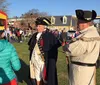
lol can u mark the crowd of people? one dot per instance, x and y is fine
(13, 34)
(82, 49)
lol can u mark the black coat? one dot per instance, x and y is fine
(50, 49)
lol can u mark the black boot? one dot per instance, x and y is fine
(33, 81)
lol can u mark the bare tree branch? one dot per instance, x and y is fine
(31, 15)
(4, 5)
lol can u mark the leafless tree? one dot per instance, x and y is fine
(4, 5)
(30, 16)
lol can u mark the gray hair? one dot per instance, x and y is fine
(91, 23)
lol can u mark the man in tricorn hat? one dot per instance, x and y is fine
(84, 50)
(43, 47)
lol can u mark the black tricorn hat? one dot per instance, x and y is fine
(86, 15)
(42, 21)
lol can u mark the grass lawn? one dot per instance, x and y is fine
(22, 49)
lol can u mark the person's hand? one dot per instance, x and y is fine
(63, 43)
(65, 46)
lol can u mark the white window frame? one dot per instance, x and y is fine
(53, 20)
(64, 20)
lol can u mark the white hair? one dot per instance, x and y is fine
(45, 26)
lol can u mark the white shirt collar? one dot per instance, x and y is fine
(38, 35)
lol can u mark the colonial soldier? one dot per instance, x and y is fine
(43, 47)
(84, 50)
